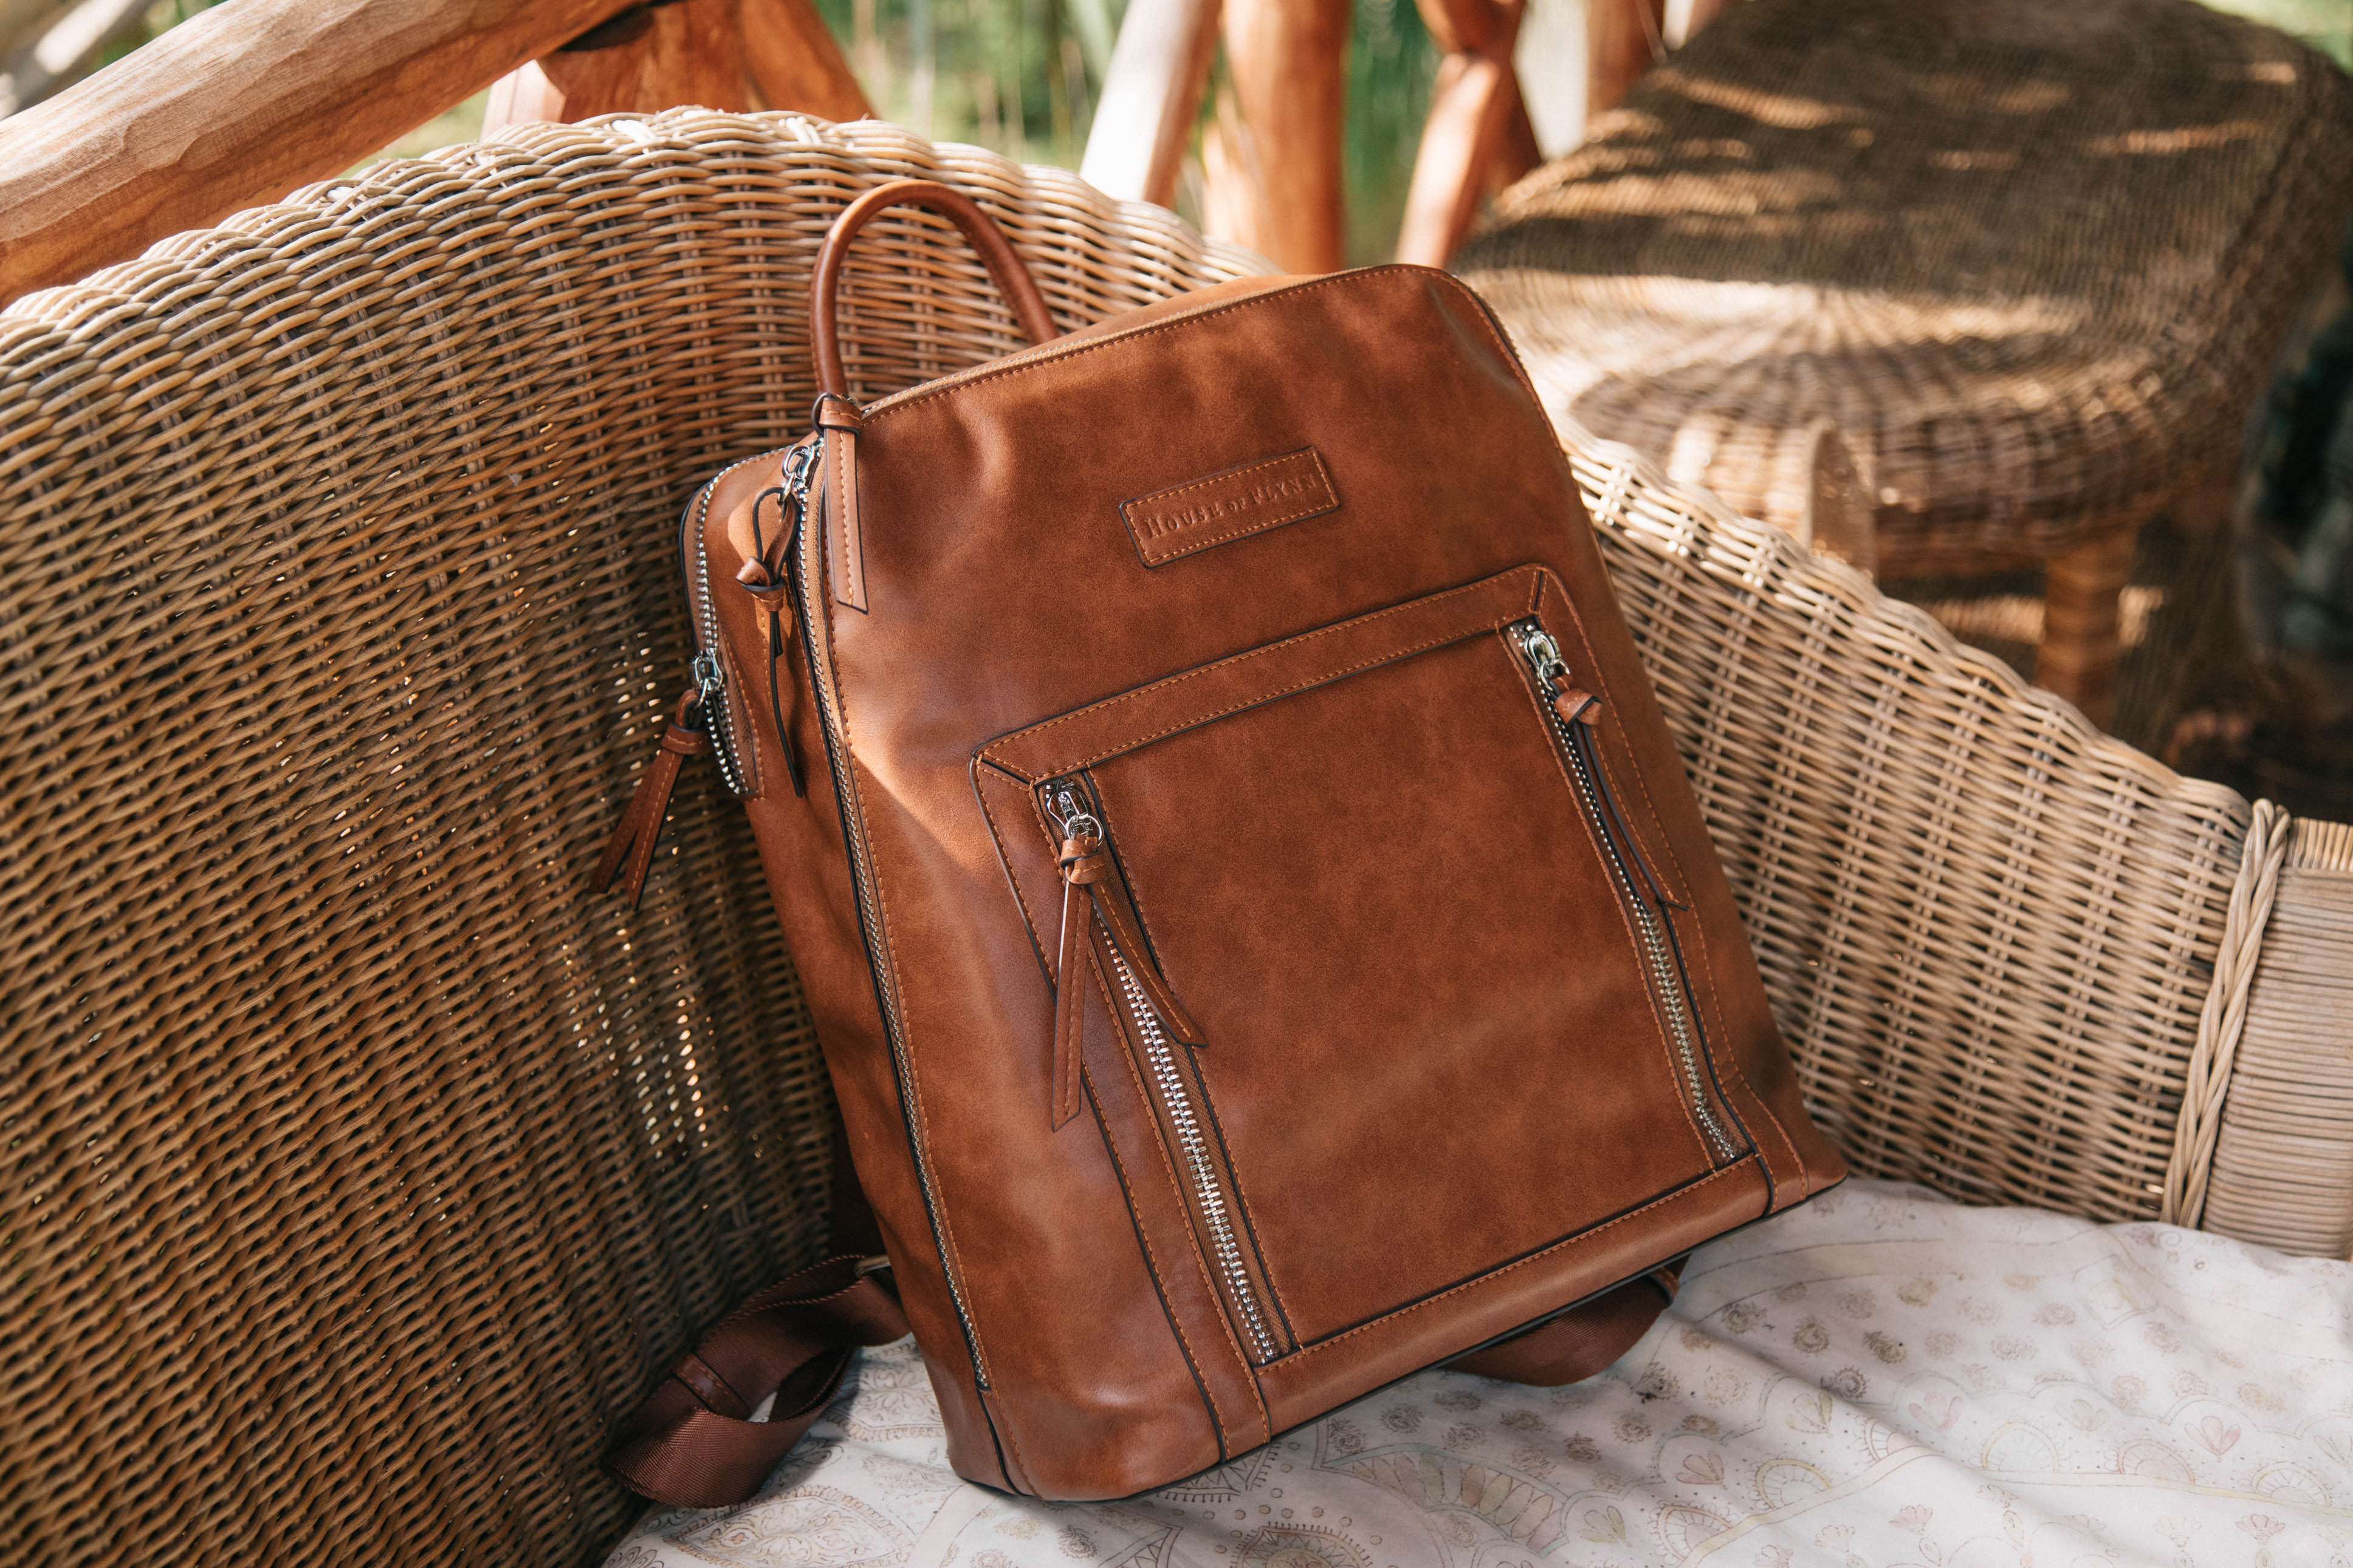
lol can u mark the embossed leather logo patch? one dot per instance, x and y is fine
(1232, 505)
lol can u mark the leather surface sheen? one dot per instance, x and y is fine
(1437, 1092)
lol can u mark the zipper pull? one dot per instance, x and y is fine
(1084, 862)
(1112, 915)
(631, 848)
(1542, 651)
(777, 707)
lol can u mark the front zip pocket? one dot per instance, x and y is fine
(1420, 955)
(1157, 1030)
(1569, 713)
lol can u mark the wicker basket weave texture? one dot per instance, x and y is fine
(1988, 930)
(363, 1165)
(2284, 1164)
(2030, 260)
(341, 604)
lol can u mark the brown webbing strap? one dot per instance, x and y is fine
(693, 1444)
(1581, 1341)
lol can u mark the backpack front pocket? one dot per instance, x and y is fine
(1378, 928)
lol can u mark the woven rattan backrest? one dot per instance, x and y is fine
(1987, 929)
(363, 1165)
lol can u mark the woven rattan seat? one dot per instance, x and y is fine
(364, 1167)
(2029, 262)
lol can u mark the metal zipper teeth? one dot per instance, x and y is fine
(1657, 958)
(1196, 1150)
(837, 752)
(710, 674)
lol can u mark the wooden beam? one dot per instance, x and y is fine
(1275, 183)
(1457, 144)
(1477, 133)
(728, 55)
(1623, 38)
(638, 63)
(1151, 98)
(797, 63)
(240, 104)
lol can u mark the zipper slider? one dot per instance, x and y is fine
(1542, 651)
(1083, 863)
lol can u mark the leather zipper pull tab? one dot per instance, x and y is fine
(1577, 707)
(1084, 863)
(777, 707)
(631, 848)
(845, 550)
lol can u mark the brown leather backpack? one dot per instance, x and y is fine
(1261, 937)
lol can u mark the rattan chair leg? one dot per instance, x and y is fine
(2083, 590)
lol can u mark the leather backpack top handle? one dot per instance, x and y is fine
(1261, 933)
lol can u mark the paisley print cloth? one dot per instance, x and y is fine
(1879, 1378)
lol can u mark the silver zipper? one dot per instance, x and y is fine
(861, 877)
(710, 675)
(1542, 652)
(1192, 1144)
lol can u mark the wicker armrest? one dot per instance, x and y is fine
(1990, 932)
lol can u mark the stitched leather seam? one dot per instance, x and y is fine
(1138, 335)
(1197, 545)
(1159, 688)
(1036, 935)
(1730, 1061)
(1183, 1209)
(1152, 1258)
(1564, 1242)
(1593, 832)
(1707, 969)
(1204, 541)
(1229, 475)
(1242, 1204)
(952, 1257)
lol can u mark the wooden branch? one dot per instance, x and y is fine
(797, 64)
(1478, 131)
(240, 104)
(1276, 182)
(1151, 98)
(654, 59)
(1622, 40)
(727, 55)
(1457, 144)
(1517, 153)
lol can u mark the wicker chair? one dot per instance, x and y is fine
(2030, 263)
(365, 1166)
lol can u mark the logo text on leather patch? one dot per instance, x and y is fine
(1232, 505)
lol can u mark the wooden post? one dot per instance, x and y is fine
(1274, 171)
(1623, 38)
(240, 104)
(727, 55)
(1151, 97)
(1477, 129)
(2082, 592)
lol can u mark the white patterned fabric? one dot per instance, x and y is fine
(1879, 1378)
